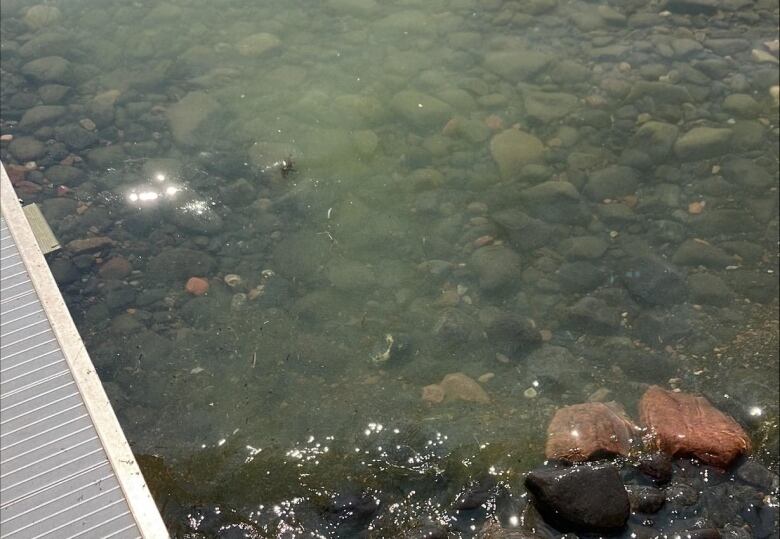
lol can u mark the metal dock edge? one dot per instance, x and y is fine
(66, 469)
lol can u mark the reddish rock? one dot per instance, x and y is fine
(455, 386)
(681, 424)
(589, 431)
(116, 268)
(16, 174)
(27, 188)
(197, 286)
(89, 244)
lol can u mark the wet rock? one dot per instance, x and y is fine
(26, 148)
(88, 245)
(177, 264)
(353, 7)
(754, 473)
(41, 16)
(64, 175)
(476, 493)
(660, 91)
(687, 425)
(746, 173)
(612, 182)
(554, 368)
(684, 47)
(64, 271)
(116, 268)
(42, 115)
(517, 330)
(652, 280)
(492, 530)
(699, 253)
(709, 289)
(647, 500)
(546, 107)
(456, 386)
(120, 298)
(593, 315)
(106, 156)
(583, 247)
(656, 139)
(692, 7)
(75, 137)
(48, 69)
(196, 286)
(258, 44)
(742, 106)
(513, 149)
(524, 232)
(658, 466)
(580, 499)
(497, 267)
(195, 214)
(52, 94)
(554, 201)
(579, 276)
(517, 65)
(589, 431)
(188, 117)
(420, 109)
(702, 143)
(46, 43)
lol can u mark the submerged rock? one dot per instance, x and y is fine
(497, 267)
(686, 425)
(513, 149)
(581, 499)
(589, 431)
(189, 115)
(702, 143)
(456, 386)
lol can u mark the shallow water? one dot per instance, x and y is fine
(399, 191)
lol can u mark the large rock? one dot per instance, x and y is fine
(654, 281)
(553, 201)
(456, 386)
(580, 499)
(696, 252)
(497, 267)
(746, 173)
(188, 115)
(702, 143)
(421, 110)
(589, 431)
(513, 149)
(48, 69)
(656, 139)
(42, 115)
(611, 182)
(26, 148)
(546, 107)
(178, 264)
(687, 425)
(517, 65)
(554, 368)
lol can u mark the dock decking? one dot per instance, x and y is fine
(66, 469)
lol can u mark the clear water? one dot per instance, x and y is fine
(338, 160)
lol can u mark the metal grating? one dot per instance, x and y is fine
(55, 477)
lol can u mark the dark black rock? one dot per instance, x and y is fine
(75, 136)
(64, 271)
(646, 500)
(652, 280)
(579, 276)
(476, 493)
(582, 498)
(657, 466)
(756, 474)
(593, 315)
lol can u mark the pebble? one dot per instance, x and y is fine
(232, 280)
(197, 286)
(87, 124)
(6, 138)
(486, 377)
(530, 393)
(695, 208)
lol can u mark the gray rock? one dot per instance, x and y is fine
(579, 276)
(723, 221)
(497, 267)
(524, 232)
(45, 44)
(698, 253)
(554, 369)
(685, 47)
(583, 247)
(51, 94)
(702, 143)
(75, 137)
(421, 110)
(709, 289)
(744, 172)
(42, 115)
(26, 148)
(48, 69)
(742, 105)
(55, 209)
(518, 331)
(569, 72)
(707, 7)
(611, 182)
(656, 139)
(518, 65)
(758, 286)
(647, 500)
(514, 149)
(652, 280)
(593, 315)
(554, 201)
(194, 213)
(662, 92)
(546, 107)
(64, 271)
(581, 498)
(64, 175)
(119, 298)
(178, 264)
(189, 116)
(106, 156)
(747, 135)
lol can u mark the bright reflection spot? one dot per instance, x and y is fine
(147, 195)
(514, 520)
(535, 383)
(221, 442)
(575, 433)
(755, 411)
(133, 197)
(171, 190)
(160, 177)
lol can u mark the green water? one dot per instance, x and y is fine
(383, 183)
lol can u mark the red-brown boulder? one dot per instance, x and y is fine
(589, 431)
(681, 424)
